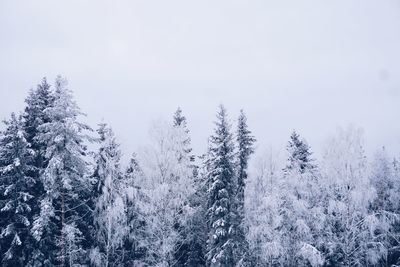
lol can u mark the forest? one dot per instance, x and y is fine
(67, 199)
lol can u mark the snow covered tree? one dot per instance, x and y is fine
(189, 249)
(302, 220)
(245, 142)
(283, 214)
(384, 180)
(262, 203)
(221, 194)
(59, 206)
(16, 200)
(299, 154)
(196, 225)
(351, 228)
(61, 227)
(167, 183)
(300, 207)
(180, 122)
(394, 250)
(135, 241)
(34, 117)
(110, 211)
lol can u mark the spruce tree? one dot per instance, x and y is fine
(300, 206)
(34, 117)
(299, 154)
(61, 227)
(245, 142)
(16, 200)
(221, 194)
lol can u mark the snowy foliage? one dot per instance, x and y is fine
(167, 185)
(221, 194)
(64, 178)
(109, 215)
(15, 187)
(61, 205)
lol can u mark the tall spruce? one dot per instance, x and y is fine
(34, 117)
(61, 227)
(221, 194)
(245, 142)
(16, 200)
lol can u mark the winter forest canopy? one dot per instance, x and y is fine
(66, 199)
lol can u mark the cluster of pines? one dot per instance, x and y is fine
(66, 199)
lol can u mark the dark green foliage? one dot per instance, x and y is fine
(16, 200)
(245, 142)
(221, 193)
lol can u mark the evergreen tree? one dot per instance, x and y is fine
(245, 143)
(221, 193)
(16, 199)
(110, 216)
(61, 227)
(34, 117)
(299, 154)
(300, 209)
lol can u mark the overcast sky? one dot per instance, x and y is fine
(305, 65)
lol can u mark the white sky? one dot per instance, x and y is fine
(305, 65)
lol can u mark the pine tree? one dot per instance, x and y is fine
(221, 193)
(299, 154)
(16, 199)
(110, 216)
(245, 143)
(61, 227)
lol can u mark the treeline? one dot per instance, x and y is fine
(63, 204)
